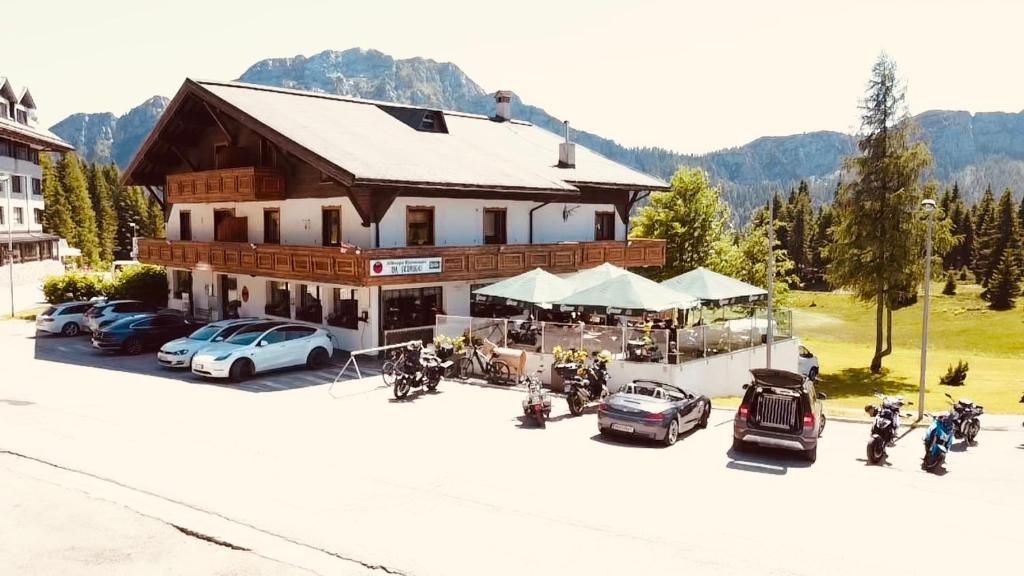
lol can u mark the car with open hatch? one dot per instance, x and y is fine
(780, 409)
(653, 410)
(178, 353)
(134, 334)
(264, 346)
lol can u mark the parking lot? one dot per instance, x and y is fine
(456, 483)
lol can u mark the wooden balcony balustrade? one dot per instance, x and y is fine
(248, 184)
(351, 266)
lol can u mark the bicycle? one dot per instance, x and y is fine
(389, 370)
(494, 371)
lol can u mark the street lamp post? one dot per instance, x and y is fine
(5, 180)
(928, 206)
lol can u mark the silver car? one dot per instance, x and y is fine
(653, 410)
(178, 353)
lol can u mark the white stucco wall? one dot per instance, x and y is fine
(26, 200)
(301, 221)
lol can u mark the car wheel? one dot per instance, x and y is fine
(240, 370)
(812, 374)
(821, 430)
(317, 358)
(672, 434)
(704, 417)
(811, 455)
(604, 432)
(133, 346)
(70, 329)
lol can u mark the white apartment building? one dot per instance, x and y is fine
(21, 195)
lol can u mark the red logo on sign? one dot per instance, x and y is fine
(378, 267)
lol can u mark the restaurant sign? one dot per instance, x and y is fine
(403, 266)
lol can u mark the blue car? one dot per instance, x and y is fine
(653, 410)
(134, 334)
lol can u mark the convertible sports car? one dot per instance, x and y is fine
(652, 410)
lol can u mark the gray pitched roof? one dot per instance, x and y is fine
(375, 147)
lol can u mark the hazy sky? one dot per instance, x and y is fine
(690, 76)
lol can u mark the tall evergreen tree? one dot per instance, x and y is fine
(1004, 287)
(800, 214)
(878, 234)
(76, 191)
(127, 210)
(155, 222)
(967, 246)
(982, 259)
(823, 224)
(57, 214)
(106, 216)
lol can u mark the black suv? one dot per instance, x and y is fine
(780, 409)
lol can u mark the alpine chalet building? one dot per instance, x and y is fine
(368, 217)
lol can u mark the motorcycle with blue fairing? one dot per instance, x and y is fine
(937, 441)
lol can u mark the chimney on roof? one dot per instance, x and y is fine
(566, 151)
(503, 105)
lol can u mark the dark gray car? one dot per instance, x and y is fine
(780, 409)
(653, 410)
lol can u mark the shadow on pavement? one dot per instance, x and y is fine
(764, 460)
(415, 394)
(78, 351)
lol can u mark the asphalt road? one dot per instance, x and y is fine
(455, 483)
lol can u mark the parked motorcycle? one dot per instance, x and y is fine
(537, 402)
(526, 333)
(965, 419)
(419, 368)
(937, 441)
(589, 384)
(886, 424)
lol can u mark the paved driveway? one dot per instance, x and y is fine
(455, 483)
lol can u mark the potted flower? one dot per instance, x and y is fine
(447, 347)
(567, 363)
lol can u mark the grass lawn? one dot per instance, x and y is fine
(840, 331)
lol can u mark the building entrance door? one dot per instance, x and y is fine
(229, 300)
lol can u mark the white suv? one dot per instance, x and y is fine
(65, 319)
(808, 364)
(102, 315)
(264, 346)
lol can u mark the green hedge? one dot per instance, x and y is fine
(143, 282)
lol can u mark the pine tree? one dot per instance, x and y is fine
(127, 210)
(983, 258)
(969, 243)
(155, 227)
(878, 235)
(106, 216)
(1004, 287)
(76, 191)
(57, 214)
(823, 223)
(1000, 235)
(801, 230)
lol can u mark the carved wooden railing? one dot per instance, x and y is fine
(351, 266)
(226, 185)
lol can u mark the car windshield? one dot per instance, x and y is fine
(205, 333)
(244, 338)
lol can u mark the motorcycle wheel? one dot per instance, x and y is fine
(972, 431)
(576, 403)
(538, 417)
(401, 388)
(876, 450)
(432, 385)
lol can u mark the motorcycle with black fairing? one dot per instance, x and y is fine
(589, 384)
(418, 368)
(965, 414)
(885, 426)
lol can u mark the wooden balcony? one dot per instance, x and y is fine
(352, 267)
(227, 185)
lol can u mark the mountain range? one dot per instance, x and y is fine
(974, 149)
